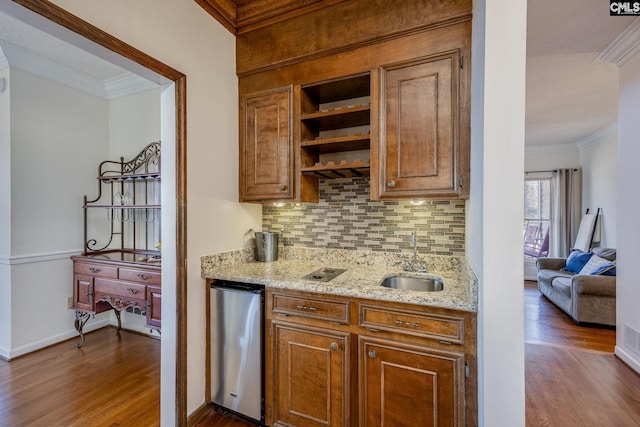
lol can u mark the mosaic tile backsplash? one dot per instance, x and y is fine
(346, 218)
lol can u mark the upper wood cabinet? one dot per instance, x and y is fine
(420, 144)
(266, 146)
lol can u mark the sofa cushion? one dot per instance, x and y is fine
(606, 253)
(562, 285)
(597, 265)
(577, 260)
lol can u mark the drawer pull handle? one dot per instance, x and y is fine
(306, 308)
(403, 323)
(133, 291)
(334, 346)
(95, 270)
(372, 354)
(144, 276)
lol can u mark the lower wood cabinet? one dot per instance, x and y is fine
(342, 361)
(309, 376)
(402, 385)
(101, 284)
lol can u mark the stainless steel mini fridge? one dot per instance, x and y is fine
(237, 345)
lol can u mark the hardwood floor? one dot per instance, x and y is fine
(114, 380)
(572, 377)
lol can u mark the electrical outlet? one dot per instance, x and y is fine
(69, 302)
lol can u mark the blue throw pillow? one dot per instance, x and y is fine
(577, 260)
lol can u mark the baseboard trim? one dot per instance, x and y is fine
(198, 415)
(49, 341)
(627, 358)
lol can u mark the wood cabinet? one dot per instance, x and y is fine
(309, 381)
(405, 385)
(308, 354)
(349, 361)
(101, 283)
(266, 146)
(420, 142)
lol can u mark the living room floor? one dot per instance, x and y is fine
(572, 377)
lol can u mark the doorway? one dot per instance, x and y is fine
(59, 23)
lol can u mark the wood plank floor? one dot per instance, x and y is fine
(572, 377)
(114, 380)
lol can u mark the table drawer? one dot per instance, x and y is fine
(97, 270)
(120, 288)
(437, 326)
(315, 308)
(140, 275)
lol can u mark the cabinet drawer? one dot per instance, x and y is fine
(142, 276)
(436, 326)
(97, 270)
(315, 308)
(124, 289)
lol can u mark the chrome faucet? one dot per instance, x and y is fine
(415, 266)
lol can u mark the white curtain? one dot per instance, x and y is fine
(566, 196)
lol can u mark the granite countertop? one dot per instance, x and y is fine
(364, 272)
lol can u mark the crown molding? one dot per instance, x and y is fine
(116, 87)
(623, 47)
(550, 148)
(127, 84)
(597, 136)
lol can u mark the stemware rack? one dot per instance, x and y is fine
(129, 197)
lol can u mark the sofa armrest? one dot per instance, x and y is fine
(604, 286)
(551, 263)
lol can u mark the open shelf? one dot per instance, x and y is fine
(357, 115)
(341, 170)
(339, 143)
(335, 117)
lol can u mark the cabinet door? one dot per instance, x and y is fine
(83, 292)
(310, 381)
(419, 144)
(154, 305)
(408, 386)
(266, 146)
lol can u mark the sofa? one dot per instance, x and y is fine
(583, 285)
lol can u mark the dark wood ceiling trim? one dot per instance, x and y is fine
(223, 11)
(336, 51)
(255, 14)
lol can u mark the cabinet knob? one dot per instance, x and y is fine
(283, 188)
(334, 346)
(391, 184)
(372, 354)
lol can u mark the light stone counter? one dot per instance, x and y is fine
(365, 271)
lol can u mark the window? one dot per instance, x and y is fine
(537, 216)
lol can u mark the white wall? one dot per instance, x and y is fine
(547, 158)
(628, 291)
(5, 208)
(183, 36)
(495, 210)
(599, 160)
(134, 122)
(55, 147)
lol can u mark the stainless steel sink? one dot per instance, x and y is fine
(424, 284)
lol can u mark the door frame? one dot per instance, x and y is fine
(84, 29)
